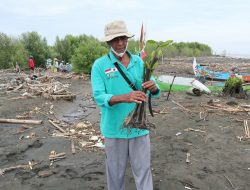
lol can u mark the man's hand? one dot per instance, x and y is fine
(135, 96)
(151, 86)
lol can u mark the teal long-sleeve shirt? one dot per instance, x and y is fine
(106, 82)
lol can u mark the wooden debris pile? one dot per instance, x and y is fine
(216, 106)
(83, 135)
(237, 112)
(32, 86)
(52, 90)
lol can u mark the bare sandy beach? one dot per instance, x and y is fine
(200, 142)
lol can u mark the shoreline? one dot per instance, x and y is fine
(238, 56)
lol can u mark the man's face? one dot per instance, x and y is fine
(119, 44)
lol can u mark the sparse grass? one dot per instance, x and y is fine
(180, 88)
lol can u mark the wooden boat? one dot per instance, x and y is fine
(201, 71)
(180, 84)
(246, 78)
(165, 86)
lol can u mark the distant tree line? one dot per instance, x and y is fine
(187, 49)
(80, 50)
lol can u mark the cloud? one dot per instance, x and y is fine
(59, 7)
(216, 23)
(37, 8)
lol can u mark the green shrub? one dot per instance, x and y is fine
(86, 54)
(233, 87)
(35, 46)
(6, 50)
(20, 55)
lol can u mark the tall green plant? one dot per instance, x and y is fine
(137, 118)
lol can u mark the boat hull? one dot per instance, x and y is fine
(246, 78)
(201, 71)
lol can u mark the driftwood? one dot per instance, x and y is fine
(246, 130)
(19, 97)
(39, 111)
(17, 88)
(247, 133)
(187, 158)
(203, 116)
(56, 156)
(57, 126)
(163, 111)
(45, 173)
(230, 182)
(73, 149)
(181, 106)
(195, 130)
(228, 109)
(22, 166)
(20, 121)
(68, 97)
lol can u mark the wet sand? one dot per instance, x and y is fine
(184, 125)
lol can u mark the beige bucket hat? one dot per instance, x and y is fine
(115, 29)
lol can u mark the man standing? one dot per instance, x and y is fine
(116, 100)
(31, 63)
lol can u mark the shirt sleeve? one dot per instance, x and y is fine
(98, 87)
(158, 91)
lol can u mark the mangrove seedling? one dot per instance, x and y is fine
(137, 118)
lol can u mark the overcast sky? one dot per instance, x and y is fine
(222, 24)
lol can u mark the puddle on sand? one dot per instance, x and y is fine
(75, 115)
